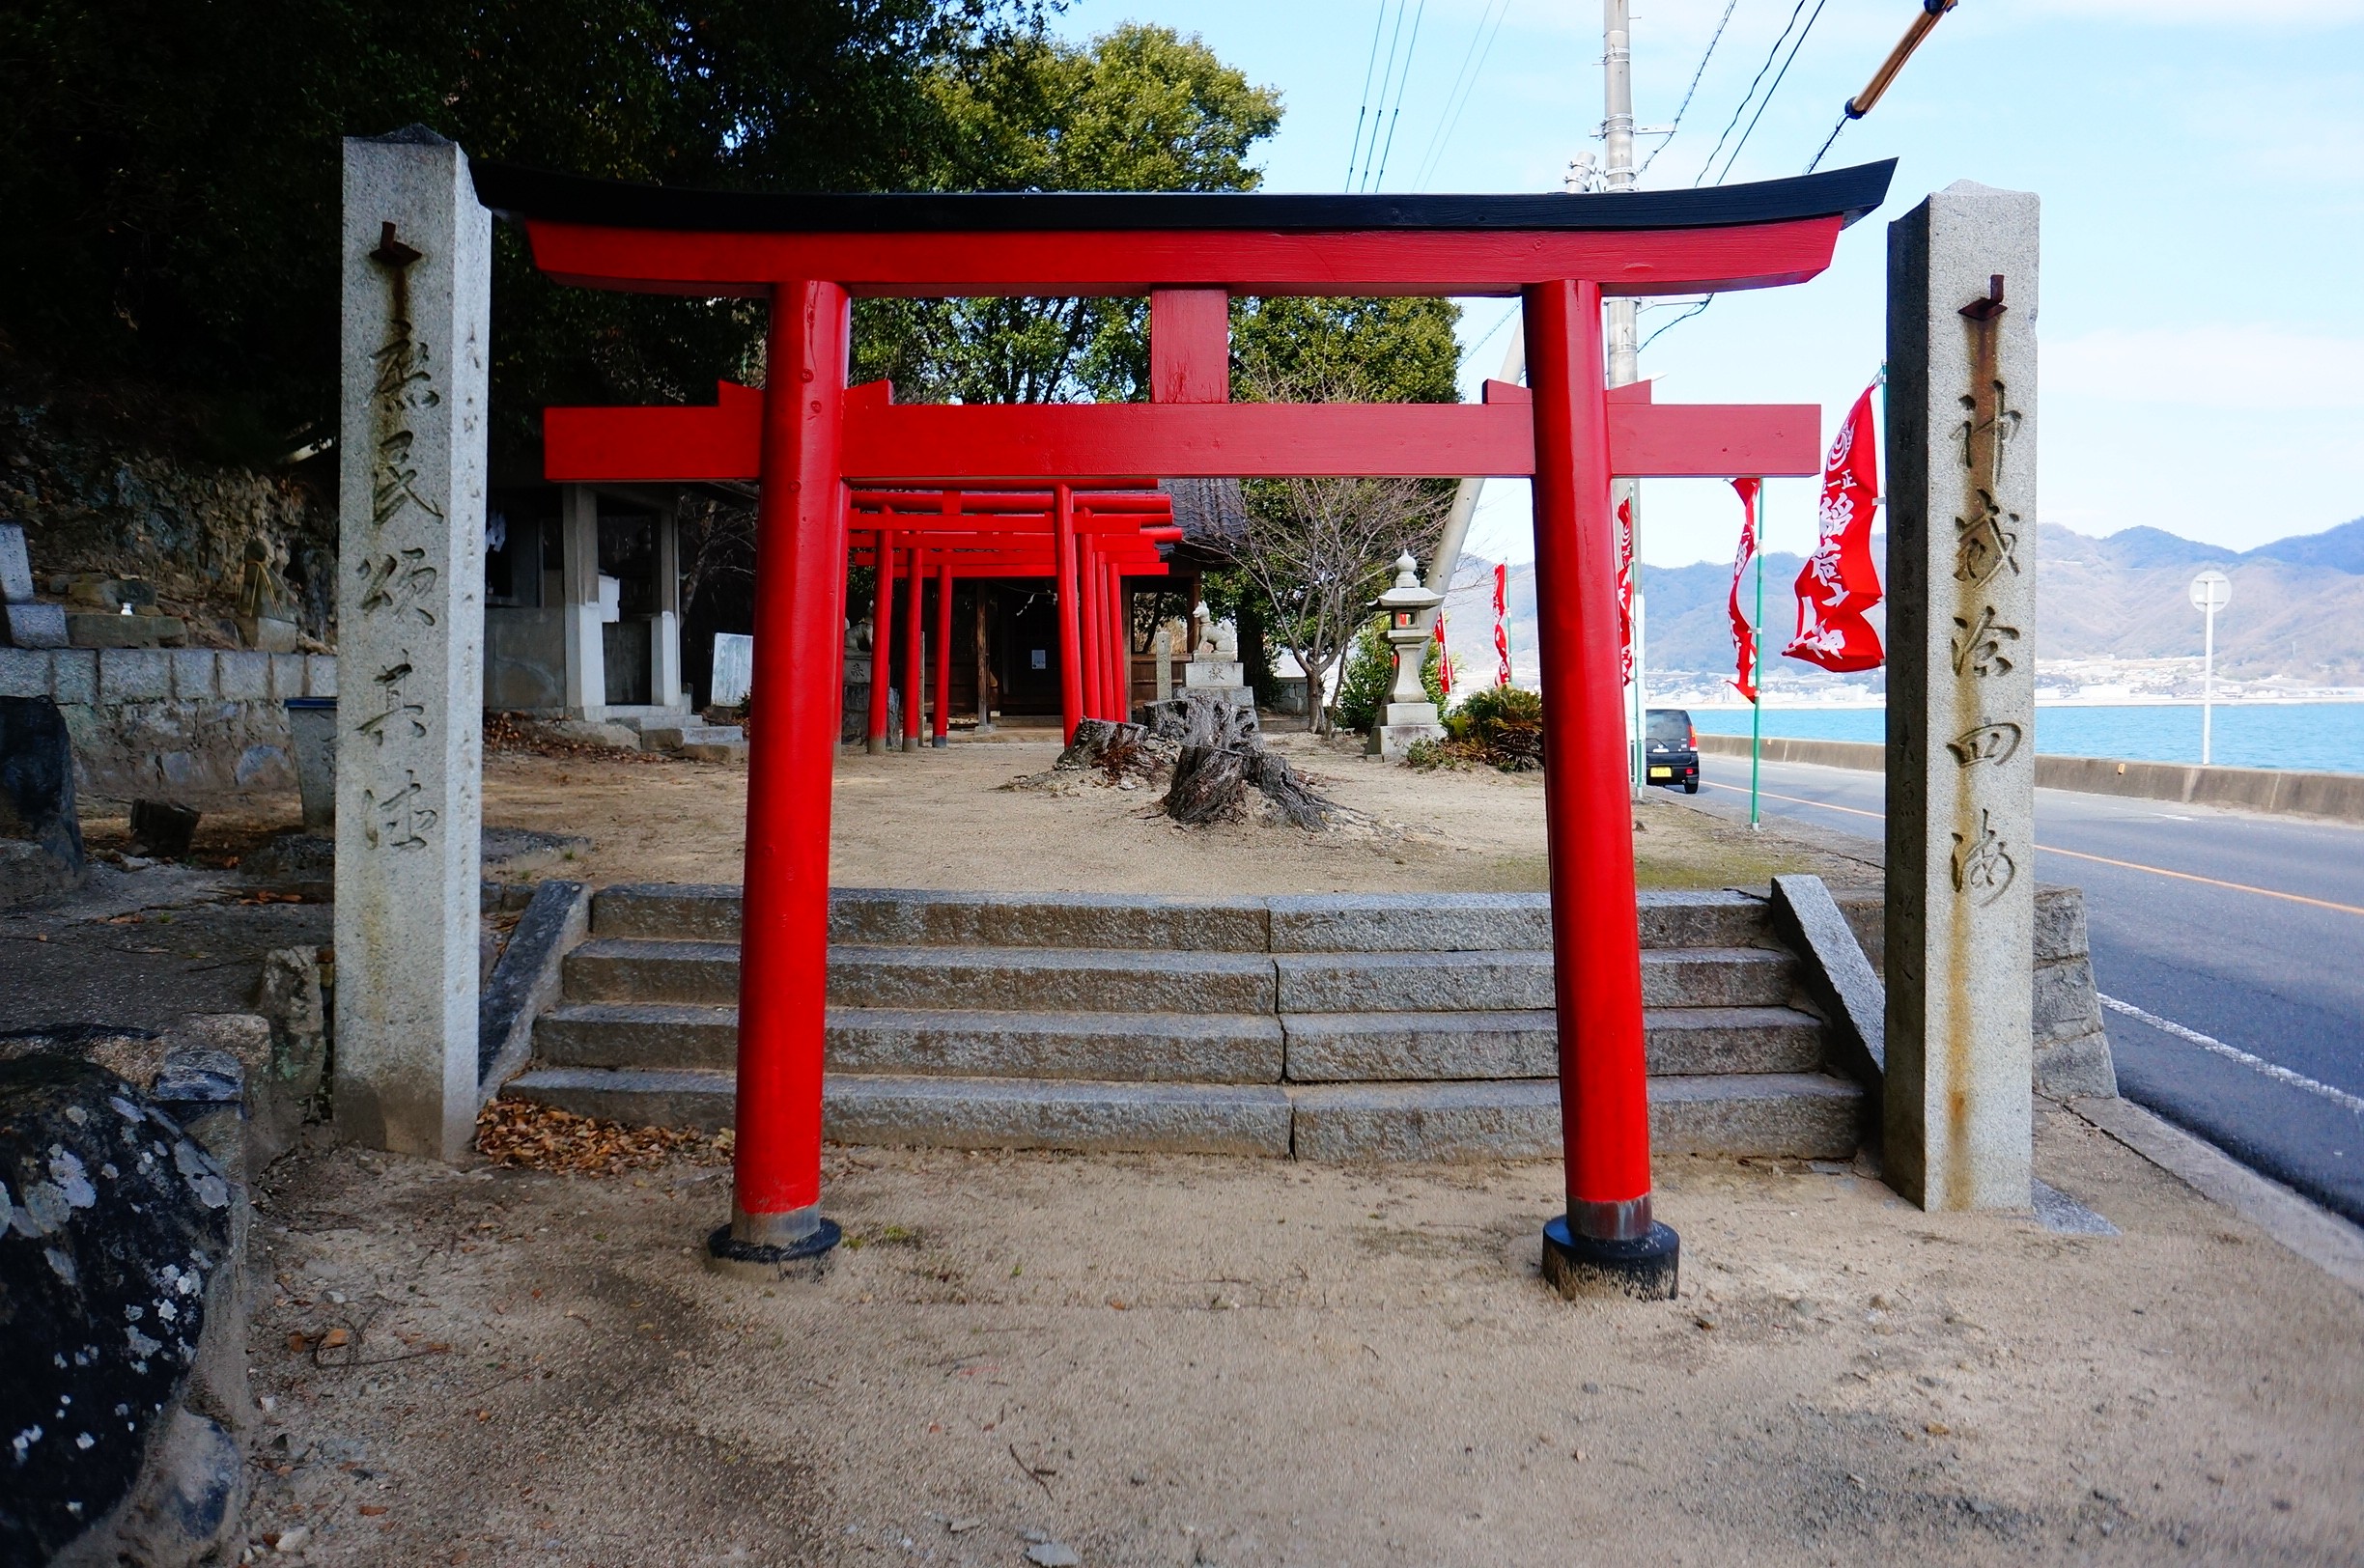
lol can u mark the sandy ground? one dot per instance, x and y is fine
(1167, 1361)
(944, 819)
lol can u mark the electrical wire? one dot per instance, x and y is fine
(1748, 96)
(1675, 323)
(1832, 140)
(1354, 153)
(1767, 101)
(1456, 98)
(1401, 82)
(1693, 91)
(1387, 77)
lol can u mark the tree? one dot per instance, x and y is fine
(1139, 108)
(1317, 550)
(172, 170)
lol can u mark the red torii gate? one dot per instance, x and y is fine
(1089, 542)
(680, 445)
(808, 255)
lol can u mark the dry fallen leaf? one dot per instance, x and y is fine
(373, 1509)
(521, 1136)
(335, 1337)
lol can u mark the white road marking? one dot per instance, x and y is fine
(2272, 1070)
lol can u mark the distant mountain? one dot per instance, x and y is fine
(2341, 548)
(2296, 616)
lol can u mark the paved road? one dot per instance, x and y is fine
(2229, 948)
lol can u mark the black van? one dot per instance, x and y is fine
(1672, 755)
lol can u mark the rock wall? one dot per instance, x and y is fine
(189, 724)
(95, 495)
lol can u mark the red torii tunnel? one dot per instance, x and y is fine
(811, 436)
(1089, 542)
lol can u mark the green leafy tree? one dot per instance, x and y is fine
(1315, 552)
(172, 170)
(1139, 108)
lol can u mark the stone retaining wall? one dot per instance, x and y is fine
(2277, 790)
(190, 724)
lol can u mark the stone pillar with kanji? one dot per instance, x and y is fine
(417, 274)
(1962, 697)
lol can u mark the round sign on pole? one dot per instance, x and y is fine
(2212, 590)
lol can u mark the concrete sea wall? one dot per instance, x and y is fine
(2282, 790)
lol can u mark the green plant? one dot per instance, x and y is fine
(1371, 668)
(1501, 726)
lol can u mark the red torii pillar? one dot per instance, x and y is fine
(943, 723)
(882, 643)
(783, 938)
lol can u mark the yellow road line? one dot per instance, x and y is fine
(2079, 854)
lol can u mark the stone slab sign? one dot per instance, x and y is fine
(41, 832)
(1960, 908)
(417, 270)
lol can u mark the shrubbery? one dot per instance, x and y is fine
(1499, 726)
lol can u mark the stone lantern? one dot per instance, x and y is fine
(1409, 715)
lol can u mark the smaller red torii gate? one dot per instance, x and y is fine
(1089, 542)
(808, 436)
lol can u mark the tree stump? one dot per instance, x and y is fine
(1210, 784)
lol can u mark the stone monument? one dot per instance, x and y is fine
(1962, 697)
(417, 274)
(1408, 715)
(1215, 669)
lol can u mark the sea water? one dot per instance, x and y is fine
(2312, 737)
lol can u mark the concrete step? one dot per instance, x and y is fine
(1760, 1115)
(1431, 982)
(1135, 1046)
(951, 1112)
(1329, 1048)
(1475, 922)
(908, 918)
(674, 737)
(1034, 979)
(1315, 923)
(631, 969)
(1785, 1115)
(1051, 979)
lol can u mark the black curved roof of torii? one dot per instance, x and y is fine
(523, 193)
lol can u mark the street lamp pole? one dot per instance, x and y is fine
(2210, 591)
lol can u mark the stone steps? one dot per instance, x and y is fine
(1760, 1115)
(1313, 923)
(1181, 1046)
(1323, 1027)
(1143, 980)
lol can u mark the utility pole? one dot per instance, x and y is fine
(1622, 330)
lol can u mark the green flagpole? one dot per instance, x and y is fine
(1756, 703)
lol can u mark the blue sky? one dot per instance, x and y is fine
(2201, 168)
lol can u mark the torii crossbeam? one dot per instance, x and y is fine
(808, 435)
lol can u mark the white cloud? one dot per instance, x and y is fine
(2209, 367)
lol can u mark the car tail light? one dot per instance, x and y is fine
(1691, 733)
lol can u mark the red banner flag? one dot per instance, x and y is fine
(1444, 658)
(1744, 634)
(1625, 542)
(1840, 581)
(1502, 630)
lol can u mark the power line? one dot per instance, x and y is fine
(1387, 76)
(1767, 101)
(1830, 141)
(1401, 82)
(1354, 153)
(1730, 7)
(1457, 97)
(1747, 97)
(1676, 322)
